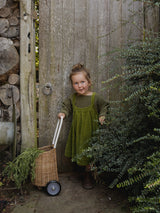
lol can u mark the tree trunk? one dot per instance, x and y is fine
(16, 13)
(4, 25)
(9, 57)
(9, 94)
(14, 79)
(13, 20)
(2, 4)
(12, 32)
(5, 12)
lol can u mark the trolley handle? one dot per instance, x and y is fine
(57, 132)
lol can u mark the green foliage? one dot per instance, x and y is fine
(129, 143)
(149, 198)
(153, 2)
(22, 166)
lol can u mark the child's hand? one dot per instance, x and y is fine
(101, 119)
(61, 114)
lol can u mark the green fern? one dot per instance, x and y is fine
(22, 167)
(127, 145)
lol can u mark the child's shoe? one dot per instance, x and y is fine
(88, 181)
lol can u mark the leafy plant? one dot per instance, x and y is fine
(149, 198)
(22, 166)
(129, 144)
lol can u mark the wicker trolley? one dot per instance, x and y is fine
(46, 174)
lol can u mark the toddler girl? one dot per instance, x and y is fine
(86, 108)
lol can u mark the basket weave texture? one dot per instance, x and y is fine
(46, 166)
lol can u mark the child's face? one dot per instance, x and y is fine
(80, 83)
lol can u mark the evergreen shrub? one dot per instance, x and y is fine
(129, 144)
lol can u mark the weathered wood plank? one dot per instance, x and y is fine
(115, 38)
(80, 31)
(152, 18)
(64, 87)
(91, 41)
(138, 20)
(73, 31)
(27, 77)
(57, 59)
(44, 71)
(103, 28)
(127, 21)
(62, 34)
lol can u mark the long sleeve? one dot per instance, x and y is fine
(101, 105)
(67, 107)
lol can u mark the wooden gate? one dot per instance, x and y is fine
(72, 31)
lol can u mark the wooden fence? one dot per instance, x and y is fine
(73, 31)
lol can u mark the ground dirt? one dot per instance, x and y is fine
(73, 198)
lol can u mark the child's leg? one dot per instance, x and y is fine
(88, 168)
(88, 181)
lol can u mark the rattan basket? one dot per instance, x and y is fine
(46, 166)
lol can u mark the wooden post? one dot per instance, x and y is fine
(27, 75)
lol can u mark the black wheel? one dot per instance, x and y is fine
(53, 188)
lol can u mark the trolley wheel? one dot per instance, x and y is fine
(53, 188)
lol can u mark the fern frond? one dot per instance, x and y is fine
(148, 137)
(133, 180)
(157, 130)
(153, 184)
(137, 93)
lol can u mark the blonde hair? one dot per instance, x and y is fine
(77, 68)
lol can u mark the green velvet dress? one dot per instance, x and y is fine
(84, 124)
